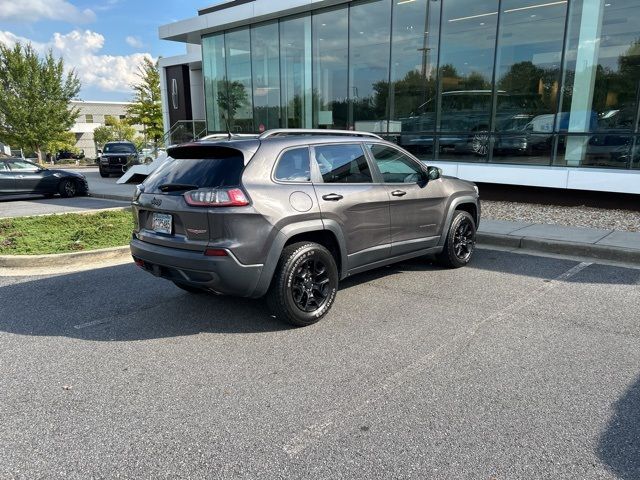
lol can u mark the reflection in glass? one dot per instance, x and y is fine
(604, 99)
(265, 59)
(369, 37)
(295, 72)
(528, 69)
(605, 149)
(522, 147)
(235, 101)
(213, 69)
(466, 66)
(330, 67)
(414, 55)
(602, 72)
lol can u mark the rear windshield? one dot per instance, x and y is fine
(203, 173)
(119, 148)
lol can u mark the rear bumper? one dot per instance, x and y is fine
(225, 275)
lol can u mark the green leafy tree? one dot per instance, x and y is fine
(146, 109)
(121, 129)
(232, 97)
(34, 98)
(66, 142)
(102, 135)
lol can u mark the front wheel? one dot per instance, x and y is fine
(104, 174)
(460, 242)
(304, 285)
(68, 188)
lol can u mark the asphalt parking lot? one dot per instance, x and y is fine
(518, 366)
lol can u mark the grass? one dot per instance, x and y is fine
(71, 232)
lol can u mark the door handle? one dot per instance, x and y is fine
(332, 197)
(398, 193)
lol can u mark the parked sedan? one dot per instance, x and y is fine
(18, 176)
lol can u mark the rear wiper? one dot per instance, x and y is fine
(176, 187)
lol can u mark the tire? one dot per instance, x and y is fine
(68, 188)
(103, 174)
(460, 242)
(304, 285)
(188, 288)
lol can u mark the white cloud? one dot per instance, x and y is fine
(34, 10)
(81, 51)
(134, 42)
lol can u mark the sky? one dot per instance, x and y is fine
(103, 40)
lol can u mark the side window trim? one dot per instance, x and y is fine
(316, 177)
(277, 163)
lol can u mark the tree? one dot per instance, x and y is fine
(121, 129)
(102, 135)
(146, 109)
(231, 97)
(34, 98)
(63, 143)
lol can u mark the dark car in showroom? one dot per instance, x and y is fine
(117, 158)
(18, 176)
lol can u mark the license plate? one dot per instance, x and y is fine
(161, 223)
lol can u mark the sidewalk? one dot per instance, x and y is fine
(585, 242)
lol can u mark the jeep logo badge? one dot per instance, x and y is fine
(156, 201)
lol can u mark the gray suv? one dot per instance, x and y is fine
(289, 213)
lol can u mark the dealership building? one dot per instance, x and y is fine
(523, 92)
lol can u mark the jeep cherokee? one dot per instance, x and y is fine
(289, 213)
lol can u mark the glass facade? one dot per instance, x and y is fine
(532, 82)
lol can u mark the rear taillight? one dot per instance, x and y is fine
(216, 197)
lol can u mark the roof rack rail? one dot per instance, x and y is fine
(281, 132)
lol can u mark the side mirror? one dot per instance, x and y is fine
(434, 173)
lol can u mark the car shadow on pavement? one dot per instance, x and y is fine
(123, 303)
(619, 445)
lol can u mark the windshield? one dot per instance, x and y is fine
(119, 148)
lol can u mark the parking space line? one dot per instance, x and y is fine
(90, 324)
(572, 271)
(336, 418)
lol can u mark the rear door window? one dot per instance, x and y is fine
(293, 166)
(343, 163)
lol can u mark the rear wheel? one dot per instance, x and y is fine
(188, 288)
(460, 242)
(68, 188)
(304, 284)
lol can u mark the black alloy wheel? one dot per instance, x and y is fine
(460, 241)
(310, 285)
(464, 239)
(304, 285)
(68, 188)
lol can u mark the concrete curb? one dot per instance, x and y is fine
(64, 259)
(590, 250)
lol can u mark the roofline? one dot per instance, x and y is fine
(102, 102)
